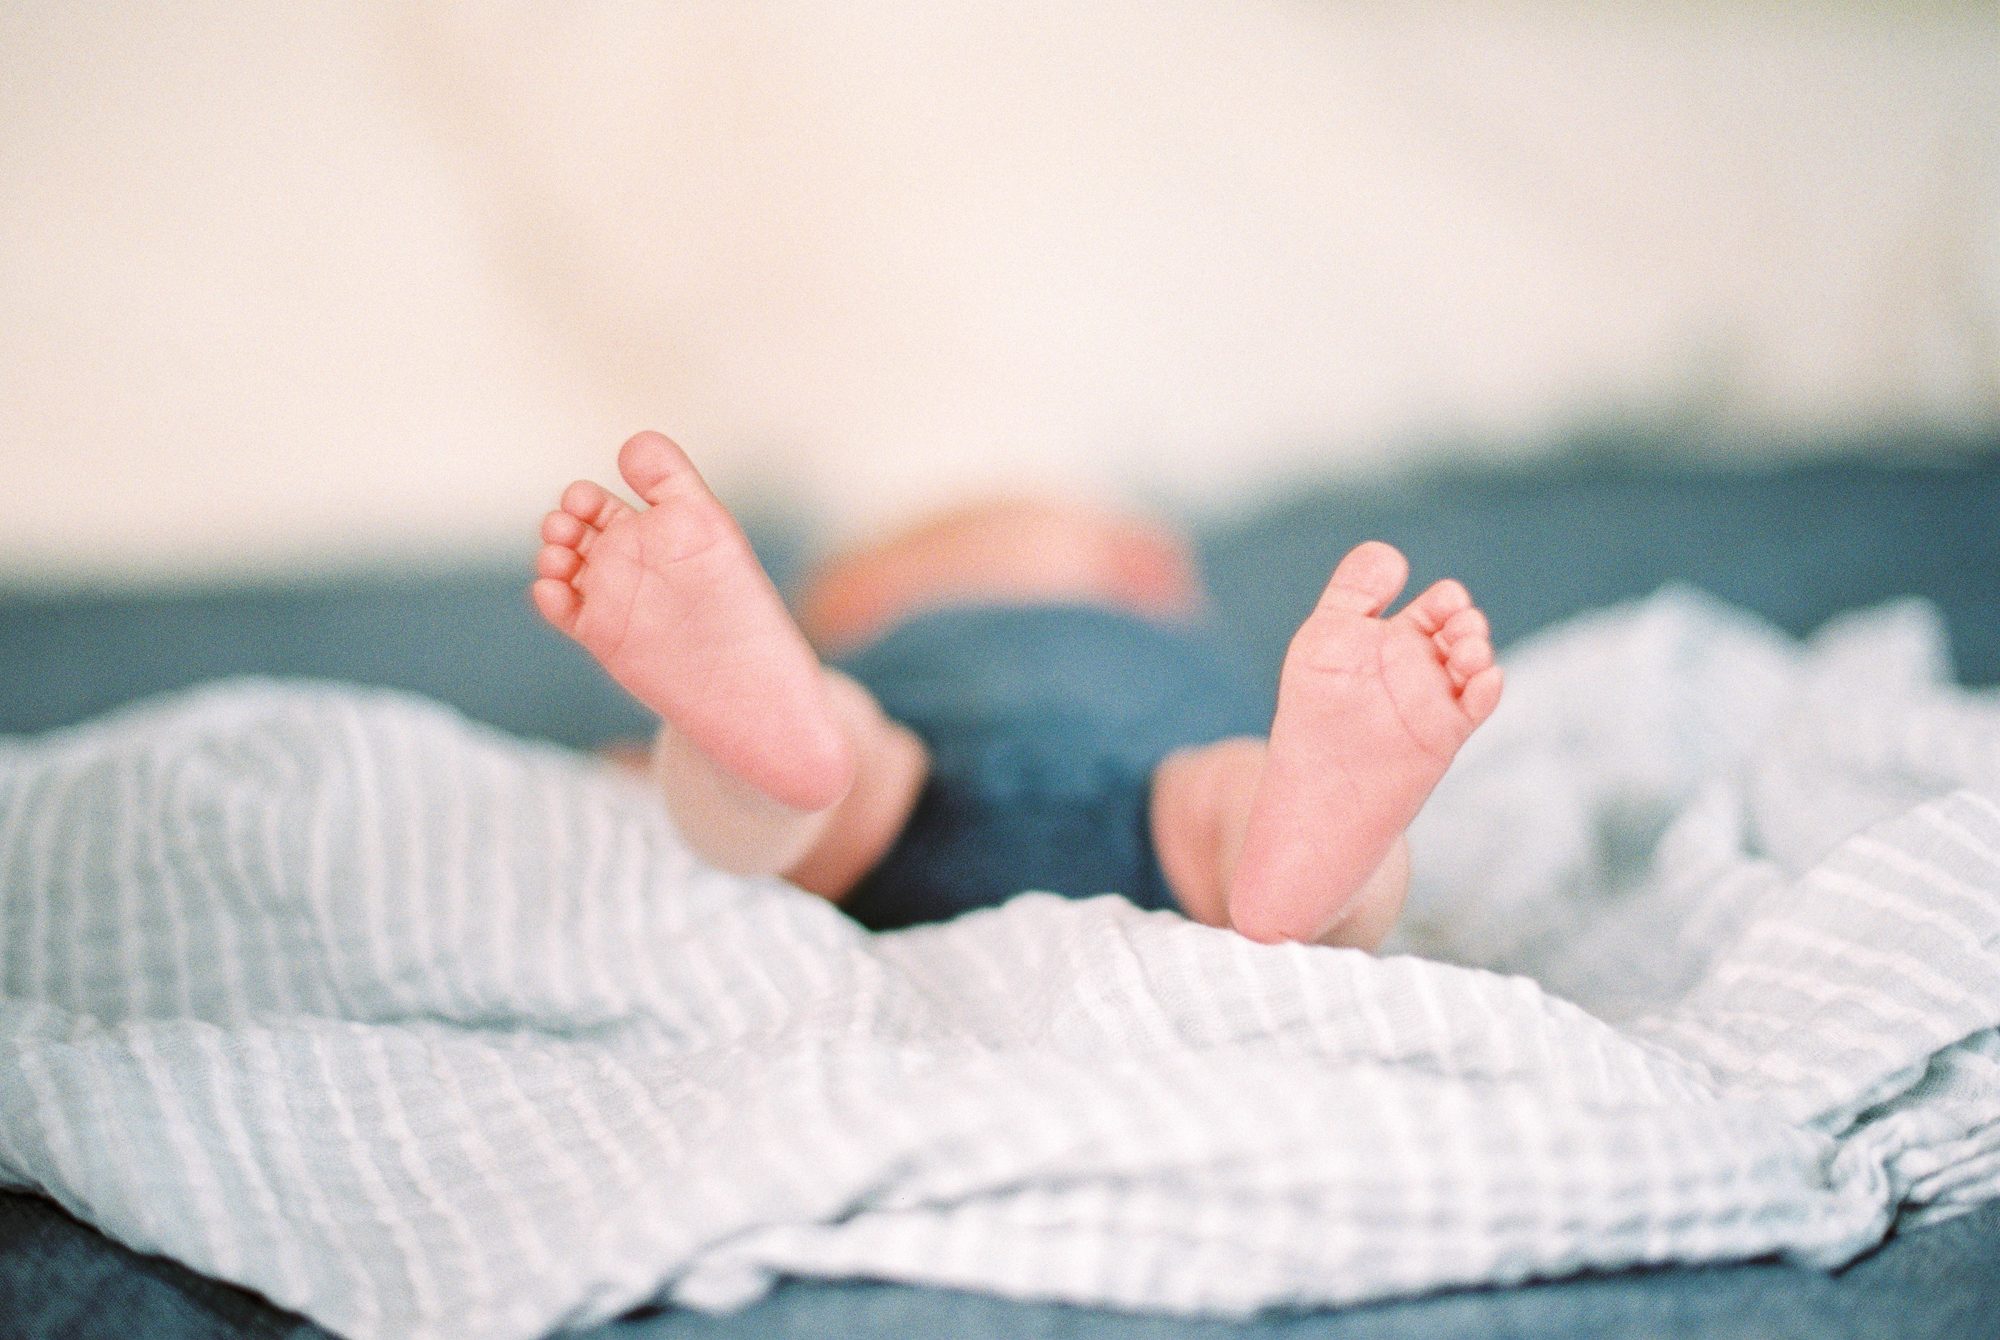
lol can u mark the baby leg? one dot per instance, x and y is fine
(1302, 839)
(768, 761)
(1201, 802)
(737, 828)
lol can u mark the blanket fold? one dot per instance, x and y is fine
(422, 1031)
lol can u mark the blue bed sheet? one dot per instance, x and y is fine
(1797, 546)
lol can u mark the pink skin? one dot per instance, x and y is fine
(674, 604)
(772, 763)
(1003, 551)
(1371, 711)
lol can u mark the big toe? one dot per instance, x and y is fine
(1367, 579)
(655, 467)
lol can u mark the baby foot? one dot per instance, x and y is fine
(675, 606)
(1370, 714)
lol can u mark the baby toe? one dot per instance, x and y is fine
(591, 503)
(1468, 658)
(1367, 579)
(1481, 695)
(564, 529)
(558, 562)
(558, 602)
(1467, 623)
(655, 467)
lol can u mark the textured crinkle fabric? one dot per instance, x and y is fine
(425, 1032)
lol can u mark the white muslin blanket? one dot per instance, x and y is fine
(425, 1032)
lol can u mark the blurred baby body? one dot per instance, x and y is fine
(772, 762)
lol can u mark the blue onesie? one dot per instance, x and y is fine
(1044, 724)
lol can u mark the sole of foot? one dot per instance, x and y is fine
(673, 603)
(1371, 711)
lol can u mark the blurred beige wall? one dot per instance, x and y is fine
(313, 285)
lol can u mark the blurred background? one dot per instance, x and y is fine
(310, 308)
(307, 288)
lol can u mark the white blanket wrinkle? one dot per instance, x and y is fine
(424, 1032)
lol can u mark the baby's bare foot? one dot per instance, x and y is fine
(676, 607)
(1370, 714)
